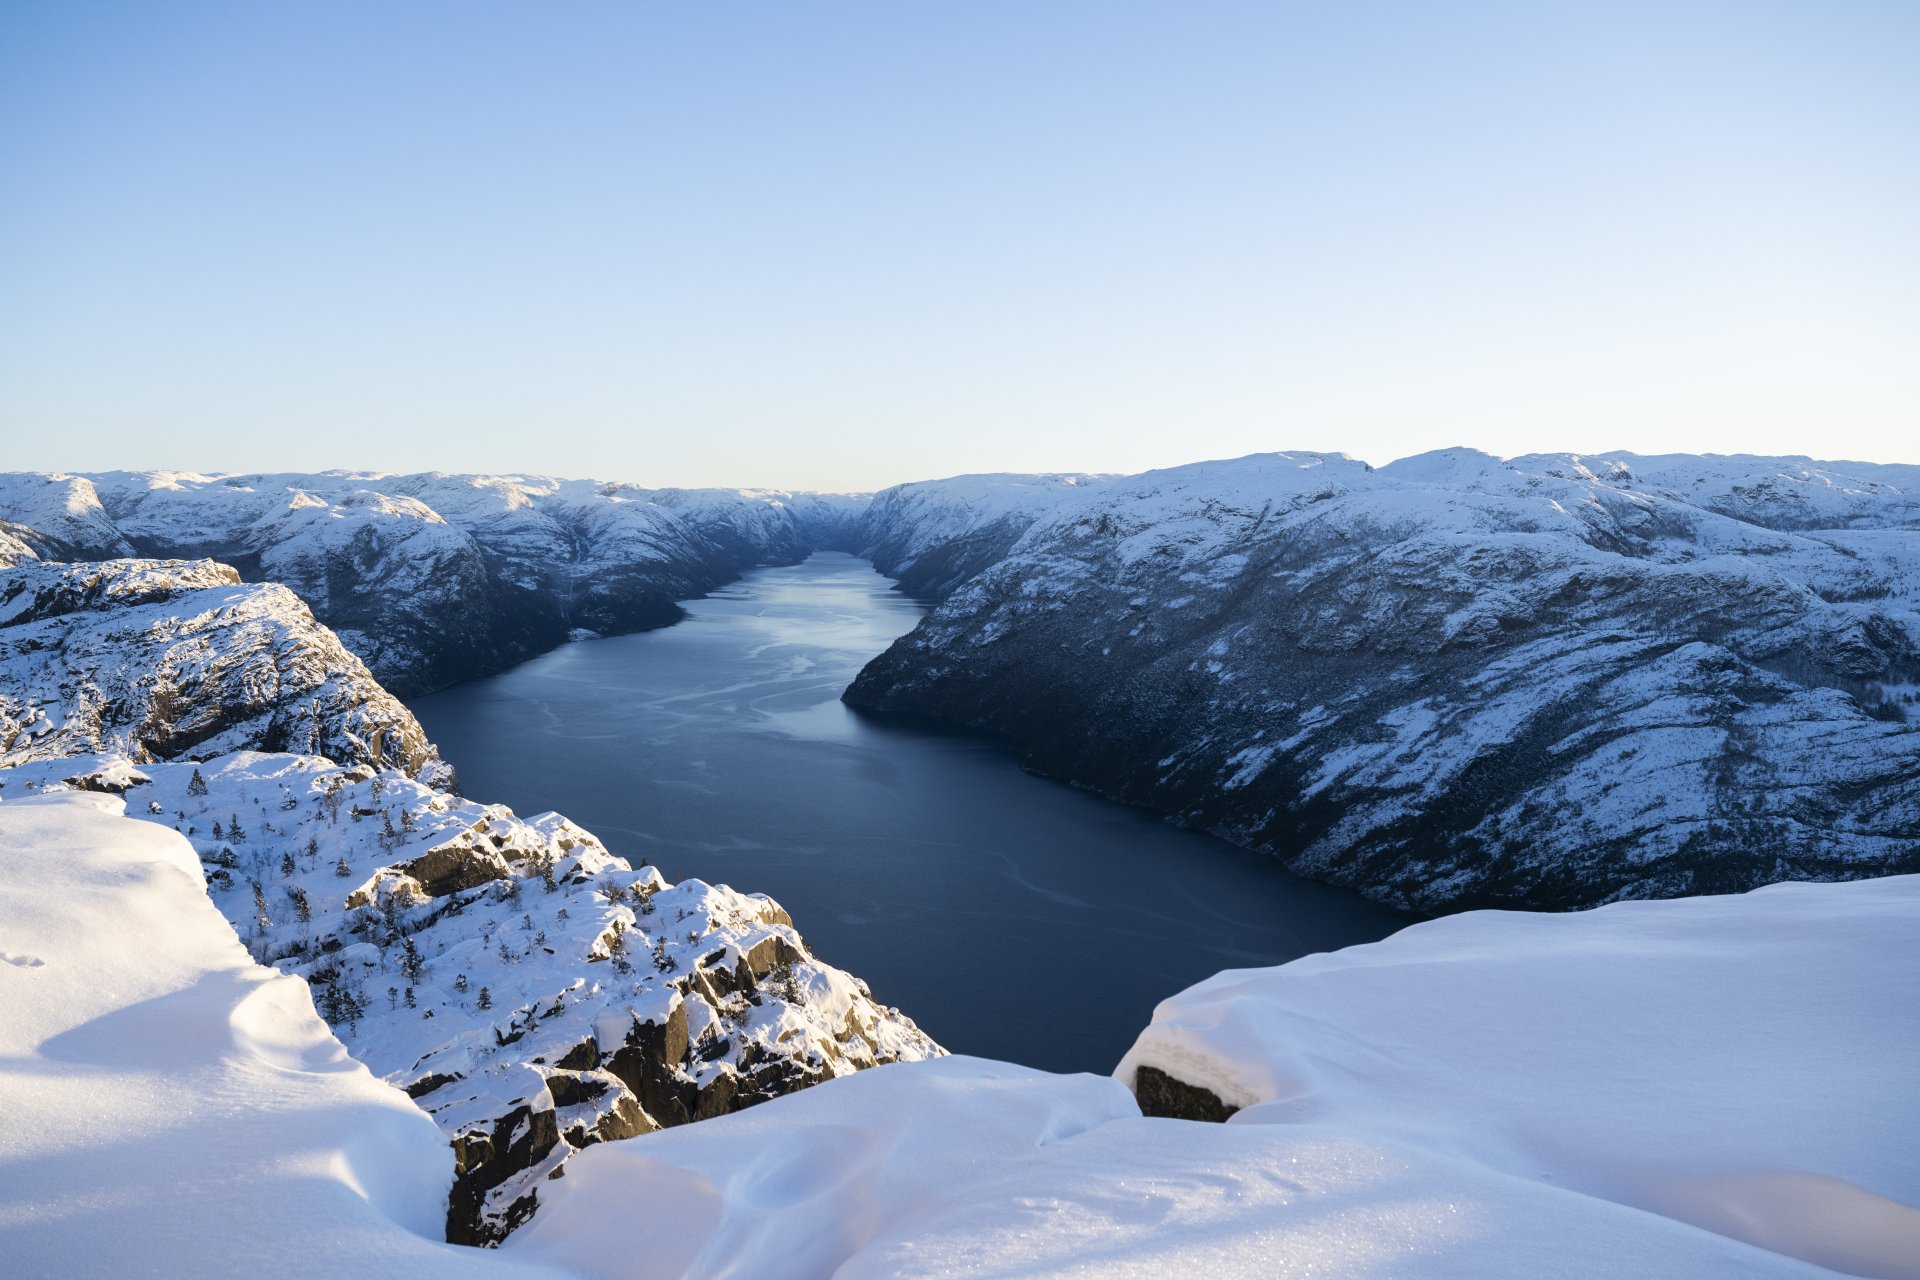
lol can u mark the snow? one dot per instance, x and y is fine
(798, 1186)
(1707, 1087)
(1704, 1087)
(1743, 1064)
(318, 883)
(170, 1104)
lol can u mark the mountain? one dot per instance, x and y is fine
(433, 578)
(1454, 681)
(155, 659)
(534, 993)
(933, 536)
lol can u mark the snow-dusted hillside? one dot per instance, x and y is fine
(164, 658)
(1453, 681)
(171, 1107)
(934, 535)
(1705, 1087)
(433, 578)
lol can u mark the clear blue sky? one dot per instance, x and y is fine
(843, 245)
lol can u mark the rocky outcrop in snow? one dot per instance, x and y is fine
(1457, 681)
(434, 578)
(160, 659)
(535, 994)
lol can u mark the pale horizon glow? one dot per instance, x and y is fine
(846, 246)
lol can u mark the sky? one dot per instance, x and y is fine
(840, 245)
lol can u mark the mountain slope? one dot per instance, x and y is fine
(433, 578)
(158, 659)
(1457, 681)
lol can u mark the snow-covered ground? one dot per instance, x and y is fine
(1701, 1087)
(533, 992)
(172, 1108)
(1712, 1087)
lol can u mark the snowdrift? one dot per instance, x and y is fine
(172, 1107)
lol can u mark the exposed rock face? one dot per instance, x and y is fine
(1457, 681)
(533, 993)
(166, 659)
(1160, 1094)
(434, 578)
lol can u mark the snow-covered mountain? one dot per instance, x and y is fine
(1452, 681)
(934, 535)
(433, 578)
(533, 992)
(161, 658)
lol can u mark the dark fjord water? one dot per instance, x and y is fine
(1011, 916)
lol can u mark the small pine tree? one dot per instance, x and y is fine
(460, 983)
(219, 832)
(406, 820)
(407, 997)
(506, 954)
(393, 997)
(386, 824)
(286, 865)
(302, 907)
(260, 916)
(562, 914)
(547, 881)
(341, 868)
(412, 963)
(236, 832)
(196, 785)
(484, 1000)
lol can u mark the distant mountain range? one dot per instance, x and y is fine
(1453, 681)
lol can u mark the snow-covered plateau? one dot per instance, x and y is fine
(1453, 681)
(1695, 1088)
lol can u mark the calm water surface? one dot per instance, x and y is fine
(1011, 916)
